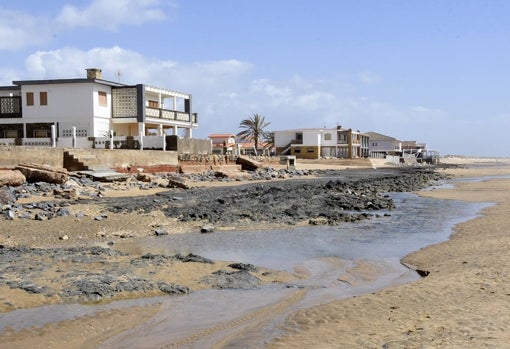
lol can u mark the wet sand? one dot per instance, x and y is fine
(463, 303)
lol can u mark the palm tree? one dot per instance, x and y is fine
(254, 129)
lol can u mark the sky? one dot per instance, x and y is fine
(433, 71)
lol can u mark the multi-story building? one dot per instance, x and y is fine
(316, 143)
(92, 107)
(223, 143)
(381, 145)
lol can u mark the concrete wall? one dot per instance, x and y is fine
(10, 157)
(194, 146)
(124, 157)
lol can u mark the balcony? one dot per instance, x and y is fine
(171, 115)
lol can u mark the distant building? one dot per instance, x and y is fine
(413, 147)
(381, 145)
(248, 148)
(223, 143)
(316, 143)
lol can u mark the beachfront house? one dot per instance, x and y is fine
(223, 143)
(35, 112)
(315, 143)
(381, 145)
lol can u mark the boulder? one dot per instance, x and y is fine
(177, 183)
(11, 178)
(248, 164)
(43, 173)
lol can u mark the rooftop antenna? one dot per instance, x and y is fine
(118, 74)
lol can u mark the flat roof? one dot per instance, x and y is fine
(10, 88)
(220, 135)
(66, 81)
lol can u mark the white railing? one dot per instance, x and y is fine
(67, 142)
(168, 114)
(104, 142)
(45, 142)
(152, 112)
(7, 141)
(147, 142)
(181, 116)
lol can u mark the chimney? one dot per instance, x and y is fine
(94, 73)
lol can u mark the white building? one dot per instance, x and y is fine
(92, 107)
(383, 145)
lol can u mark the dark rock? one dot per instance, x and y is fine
(193, 258)
(231, 280)
(40, 216)
(177, 183)
(172, 288)
(160, 232)
(243, 266)
(207, 229)
(6, 196)
(63, 212)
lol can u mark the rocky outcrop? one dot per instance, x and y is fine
(336, 198)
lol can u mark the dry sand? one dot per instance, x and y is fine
(463, 303)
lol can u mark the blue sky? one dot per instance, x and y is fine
(434, 71)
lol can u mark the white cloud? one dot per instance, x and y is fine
(267, 87)
(213, 76)
(18, 30)
(370, 78)
(111, 14)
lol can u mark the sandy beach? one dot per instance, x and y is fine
(464, 302)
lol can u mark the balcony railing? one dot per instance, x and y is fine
(170, 115)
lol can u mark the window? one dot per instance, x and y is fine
(327, 136)
(43, 98)
(30, 98)
(299, 137)
(103, 101)
(10, 134)
(40, 133)
(310, 150)
(297, 150)
(153, 104)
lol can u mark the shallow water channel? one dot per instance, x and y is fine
(341, 261)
